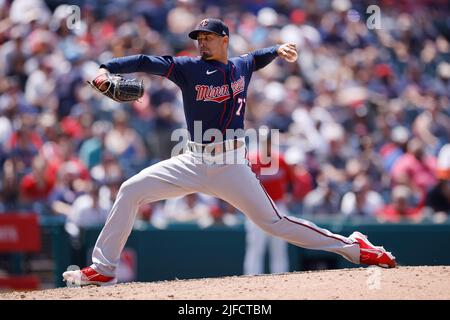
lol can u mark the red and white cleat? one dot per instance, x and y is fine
(88, 276)
(373, 255)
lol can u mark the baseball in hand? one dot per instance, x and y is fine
(288, 52)
(293, 57)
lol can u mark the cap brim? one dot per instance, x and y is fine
(194, 33)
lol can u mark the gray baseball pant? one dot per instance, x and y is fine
(235, 183)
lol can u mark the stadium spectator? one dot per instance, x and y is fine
(23, 145)
(9, 186)
(361, 200)
(302, 182)
(433, 125)
(394, 148)
(67, 188)
(124, 142)
(91, 150)
(323, 200)
(86, 210)
(401, 208)
(356, 95)
(438, 198)
(38, 184)
(415, 168)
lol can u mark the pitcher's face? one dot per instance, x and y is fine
(212, 46)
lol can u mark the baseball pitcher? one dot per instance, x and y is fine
(214, 89)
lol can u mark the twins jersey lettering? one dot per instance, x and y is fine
(219, 94)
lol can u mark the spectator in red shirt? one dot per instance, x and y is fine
(302, 182)
(37, 185)
(400, 208)
(275, 184)
(63, 153)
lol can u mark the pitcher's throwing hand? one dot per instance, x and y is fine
(288, 52)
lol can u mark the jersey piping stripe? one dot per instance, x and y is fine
(267, 195)
(225, 102)
(170, 70)
(270, 200)
(234, 102)
(318, 231)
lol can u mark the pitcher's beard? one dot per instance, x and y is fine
(206, 56)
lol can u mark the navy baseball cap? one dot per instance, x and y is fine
(210, 25)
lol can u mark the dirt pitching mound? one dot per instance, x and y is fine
(426, 282)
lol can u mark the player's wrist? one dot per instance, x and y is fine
(277, 49)
(102, 70)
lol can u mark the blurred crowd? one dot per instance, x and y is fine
(364, 114)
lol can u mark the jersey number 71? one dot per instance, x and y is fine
(241, 102)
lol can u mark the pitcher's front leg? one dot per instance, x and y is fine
(152, 184)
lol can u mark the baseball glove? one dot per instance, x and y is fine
(118, 88)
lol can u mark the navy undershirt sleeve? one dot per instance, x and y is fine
(262, 57)
(140, 63)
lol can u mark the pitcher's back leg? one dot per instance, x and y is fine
(239, 186)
